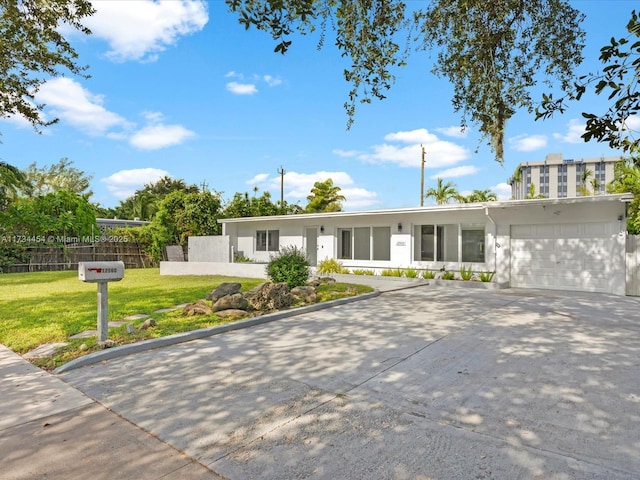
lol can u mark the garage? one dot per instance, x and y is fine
(563, 256)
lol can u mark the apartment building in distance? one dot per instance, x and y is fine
(557, 177)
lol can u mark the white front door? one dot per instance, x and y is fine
(311, 235)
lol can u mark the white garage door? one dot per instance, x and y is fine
(564, 257)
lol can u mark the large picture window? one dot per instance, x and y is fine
(364, 243)
(267, 240)
(440, 243)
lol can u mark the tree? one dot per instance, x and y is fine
(325, 197)
(583, 189)
(56, 214)
(59, 176)
(144, 203)
(619, 78)
(180, 215)
(12, 180)
(490, 51)
(531, 194)
(444, 192)
(244, 206)
(627, 180)
(478, 196)
(33, 49)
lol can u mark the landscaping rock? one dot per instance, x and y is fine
(231, 313)
(306, 294)
(228, 302)
(223, 290)
(321, 281)
(197, 308)
(149, 322)
(107, 344)
(272, 296)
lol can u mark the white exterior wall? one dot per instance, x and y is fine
(594, 214)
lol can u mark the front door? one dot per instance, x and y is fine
(311, 234)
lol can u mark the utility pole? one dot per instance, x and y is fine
(281, 172)
(422, 178)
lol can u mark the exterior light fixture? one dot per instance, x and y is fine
(399, 227)
(321, 228)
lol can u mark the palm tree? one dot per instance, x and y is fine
(532, 193)
(595, 185)
(478, 196)
(583, 190)
(444, 193)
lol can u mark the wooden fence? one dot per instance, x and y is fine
(52, 258)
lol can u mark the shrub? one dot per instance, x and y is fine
(330, 265)
(391, 272)
(237, 258)
(466, 273)
(361, 271)
(486, 276)
(289, 265)
(411, 273)
(429, 274)
(448, 276)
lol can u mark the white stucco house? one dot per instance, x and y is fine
(567, 243)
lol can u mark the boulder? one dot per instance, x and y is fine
(231, 313)
(272, 296)
(149, 322)
(198, 308)
(223, 290)
(304, 294)
(228, 302)
(321, 280)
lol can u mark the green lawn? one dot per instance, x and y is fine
(48, 307)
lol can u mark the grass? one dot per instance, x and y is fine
(49, 307)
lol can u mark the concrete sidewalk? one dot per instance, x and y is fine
(49, 429)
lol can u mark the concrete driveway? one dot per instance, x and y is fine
(414, 384)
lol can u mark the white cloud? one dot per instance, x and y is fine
(73, 104)
(358, 198)
(124, 183)
(632, 123)
(575, 130)
(503, 190)
(259, 178)
(272, 81)
(455, 132)
(141, 29)
(242, 88)
(456, 172)
(528, 143)
(155, 137)
(439, 153)
(345, 153)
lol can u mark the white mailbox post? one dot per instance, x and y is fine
(101, 273)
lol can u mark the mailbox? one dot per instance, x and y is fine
(100, 271)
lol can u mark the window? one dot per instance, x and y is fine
(562, 181)
(544, 180)
(439, 243)
(267, 240)
(600, 178)
(364, 243)
(473, 244)
(580, 167)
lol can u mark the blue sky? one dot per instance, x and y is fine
(181, 89)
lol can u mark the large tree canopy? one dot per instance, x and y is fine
(490, 51)
(619, 79)
(32, 50)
